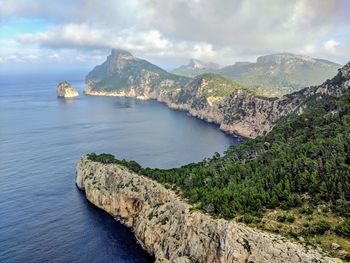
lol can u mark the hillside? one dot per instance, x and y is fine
(294, 181)
(271, 75)
(280, 74)
(205, 87)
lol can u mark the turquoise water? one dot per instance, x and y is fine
(43, 217)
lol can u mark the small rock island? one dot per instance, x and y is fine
(66, 90)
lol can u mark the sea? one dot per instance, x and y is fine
(43, 216)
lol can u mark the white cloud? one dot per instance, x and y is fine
(54, 56)
(223, 30)
(331, 45)
(146, 42)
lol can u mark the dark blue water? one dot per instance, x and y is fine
(43, 217)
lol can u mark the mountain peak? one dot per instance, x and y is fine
(117, 53)
(196, 64)
(280, 58)
(195, 67)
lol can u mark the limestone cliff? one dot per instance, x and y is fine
(66, 90)
(166, 227)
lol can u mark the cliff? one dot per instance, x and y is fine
(168, 228)
(66, 90)
(235, 108)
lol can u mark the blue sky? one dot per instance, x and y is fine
(78, 34)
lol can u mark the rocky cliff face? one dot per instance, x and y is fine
(66, 90)
(166, 227)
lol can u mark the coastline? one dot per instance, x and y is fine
(209, 117)
(168, 227)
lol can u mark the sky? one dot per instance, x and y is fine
(78, 34)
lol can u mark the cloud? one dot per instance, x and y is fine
(54, 56)
(85, 36)
(256, 25)
(223, 30)
(331, 45)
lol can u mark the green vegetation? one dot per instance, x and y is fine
(109, 158)
(304, 159)
(285, 218)
(112, 83)
(121, 74)
(207, 86)
(301, 167)
(273, 76)
(344, 229)
(218, 86)
(280, 74)
(318, 228)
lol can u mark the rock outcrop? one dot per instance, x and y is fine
(66, 90)
(167, 227)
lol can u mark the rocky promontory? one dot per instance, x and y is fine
(167, 227)
(66, 90)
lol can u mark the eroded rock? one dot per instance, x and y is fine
(66, 90)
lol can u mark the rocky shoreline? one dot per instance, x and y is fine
(168, 227)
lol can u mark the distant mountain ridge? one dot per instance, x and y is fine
(276, 74)
(282, 70)
(195, 68)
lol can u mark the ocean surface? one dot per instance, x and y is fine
(43, 216)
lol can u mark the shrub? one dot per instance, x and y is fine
(290, 219)
(285, 218)
(102, 158)
(306, 210)
(319, 228)
(281, 218)
(343, 208)
(344, 229)
(293, 234)
(248, 219)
